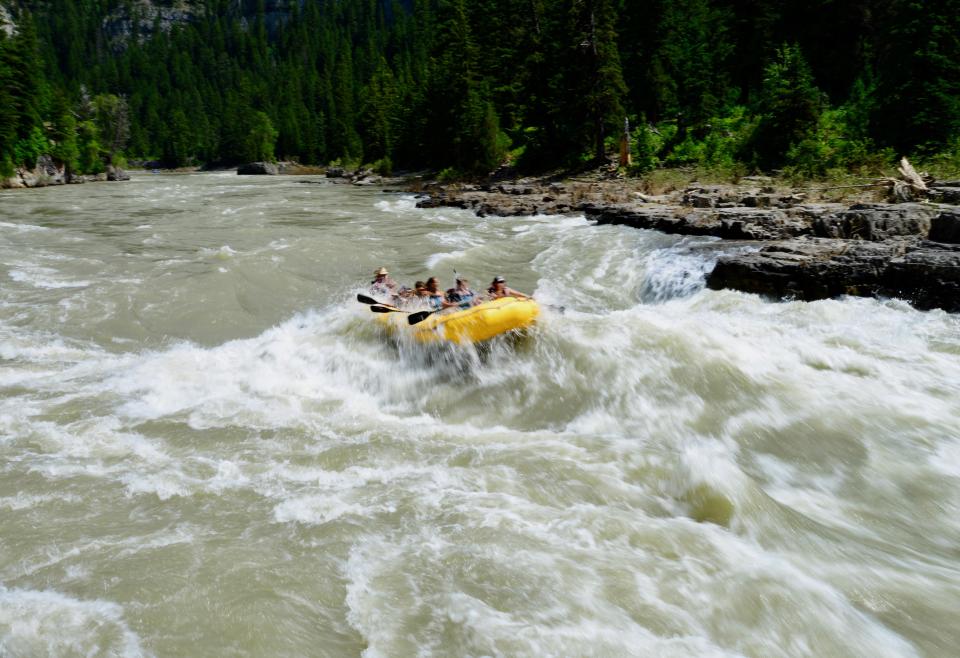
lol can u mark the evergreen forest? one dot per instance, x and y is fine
(806, 86)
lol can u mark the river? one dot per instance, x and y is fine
(208, 448)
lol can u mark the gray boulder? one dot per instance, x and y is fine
(116, 174)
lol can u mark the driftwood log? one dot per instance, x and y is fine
(910, 186)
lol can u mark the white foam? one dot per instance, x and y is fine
(23, 228)
(318, 510)
(434, 260)
(404, 204)
(44, 277)
(223, 253)
(48, 623)
(648, 473)
(946, 459)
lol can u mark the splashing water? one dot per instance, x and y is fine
(209, 448)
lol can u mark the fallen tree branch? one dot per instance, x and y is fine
(882, 183)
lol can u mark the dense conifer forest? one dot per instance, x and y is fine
(811, 87)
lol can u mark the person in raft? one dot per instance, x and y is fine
(382, 284)
(417, 299)
(498, 288)
(461, 295)
(435, 297)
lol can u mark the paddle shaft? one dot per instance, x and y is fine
(363, 299)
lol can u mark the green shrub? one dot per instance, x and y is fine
(712, 146)
(945, 164)
(689, 151)
(88, 143)
(31, 147)
(643, 149)
(789, 107)
(383, 166)
(450, 175)
(835, 147)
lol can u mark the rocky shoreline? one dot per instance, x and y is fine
(806, 250)
(47, 173)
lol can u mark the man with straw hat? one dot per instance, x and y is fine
(382, 284)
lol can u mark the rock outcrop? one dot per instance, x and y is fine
(945, 227)
(877, 221)
(116, 174)
(925, 272)
(928, 275)
(258, 169)
(744, 223)
(141, 19)
(48, 172)
(7, 25)
(804, 250)
(808, 268)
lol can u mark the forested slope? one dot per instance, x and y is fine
(758, 84)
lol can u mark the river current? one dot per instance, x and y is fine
(207, 447)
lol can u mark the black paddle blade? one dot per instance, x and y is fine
(382, 309)
(414, 318)
(363, 299)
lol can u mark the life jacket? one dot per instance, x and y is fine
(465, 299)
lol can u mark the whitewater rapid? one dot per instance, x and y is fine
(209, 448)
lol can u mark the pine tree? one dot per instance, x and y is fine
(789, 107)
(113, 123)
(64, 134)
(8, 117)
(918, 92)
(693, 55)
(377, 114)
(462, 128)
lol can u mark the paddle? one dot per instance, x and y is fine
(363, 299)
(414, 318)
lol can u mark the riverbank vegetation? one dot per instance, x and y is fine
(808, 89)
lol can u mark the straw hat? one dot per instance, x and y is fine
(381, 272)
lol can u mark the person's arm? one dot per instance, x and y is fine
(516, 293)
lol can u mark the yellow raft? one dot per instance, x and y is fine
(472, 325)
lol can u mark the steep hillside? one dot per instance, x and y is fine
(735, 86)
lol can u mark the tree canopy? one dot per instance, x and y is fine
(465, 84)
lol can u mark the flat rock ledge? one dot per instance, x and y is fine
(806, 251)
(902, 252)
(925, 273)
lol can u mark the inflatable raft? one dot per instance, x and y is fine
(472, 325)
